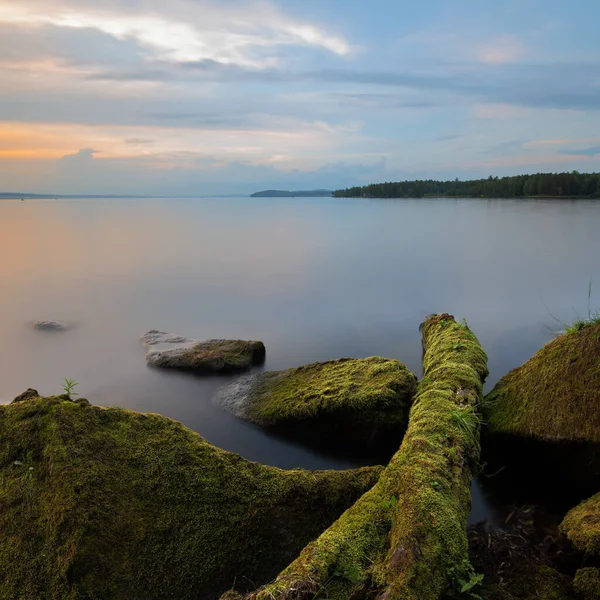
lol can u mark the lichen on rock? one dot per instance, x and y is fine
(357, 398)
(170, 351)
(403, 538)
(112, 504)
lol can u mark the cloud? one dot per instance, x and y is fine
(502, 50)
(590, 151)
(507, 86)
(83, 156)
(227, 33)
(447, 138)
(139, 142)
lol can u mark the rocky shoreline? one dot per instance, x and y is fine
(108, 503)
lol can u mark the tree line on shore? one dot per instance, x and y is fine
(560, 185)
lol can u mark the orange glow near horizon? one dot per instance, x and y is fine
(165, 147)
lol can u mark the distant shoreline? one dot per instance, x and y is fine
(538, 185)
(465, 197)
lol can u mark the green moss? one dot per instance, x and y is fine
(587, 583)
(530, 582)
(103, 503)
(582, 525)
(376, 390)
(555, 395)
(403, 537)
(224, 355)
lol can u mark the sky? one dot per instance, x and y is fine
(194, 97)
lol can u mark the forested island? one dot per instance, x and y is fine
(549, 185)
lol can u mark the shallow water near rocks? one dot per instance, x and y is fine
(314, 278)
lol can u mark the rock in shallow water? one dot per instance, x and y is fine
(46, 325)
(353, 399)
(543, 418)
(554, 396)
(369, 393)
(170, 351)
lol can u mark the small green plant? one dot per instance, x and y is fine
(462, 579)
(390, 504)
(457, 345)
(68, 387)
(351, 574)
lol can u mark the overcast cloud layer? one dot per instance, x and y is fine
(194, 98)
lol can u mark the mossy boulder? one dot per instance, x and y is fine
(404, 538)
(543, 418)
(587, 583)
(554, 396)
(349, 399)
(582, 525)
(106, 503)
(170, 351)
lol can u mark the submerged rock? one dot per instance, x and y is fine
(202, 356)
(108, 503)
(351, 399)
(45, 325)
(546, 413)
(405, 538)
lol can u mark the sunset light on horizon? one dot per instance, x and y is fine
(200, 97)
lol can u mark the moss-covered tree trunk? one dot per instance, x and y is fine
(405, 538)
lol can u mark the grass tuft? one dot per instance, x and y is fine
(581, 324)
(468, 421)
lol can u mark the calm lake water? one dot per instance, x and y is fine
(314, 278)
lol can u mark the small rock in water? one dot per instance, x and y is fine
(202, 356)
(45, 325)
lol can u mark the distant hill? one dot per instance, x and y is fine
(296, 194)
